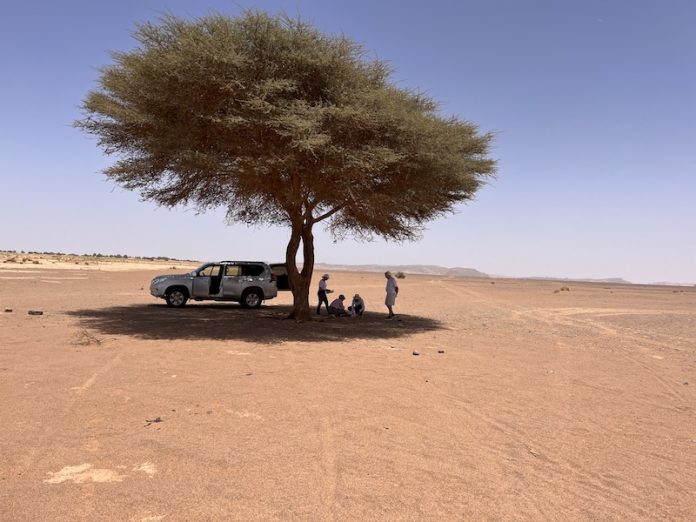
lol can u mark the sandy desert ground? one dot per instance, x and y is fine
(545, 405)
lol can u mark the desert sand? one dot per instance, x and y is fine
(543, 405)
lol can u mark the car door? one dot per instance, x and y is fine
(201, 282)
(232, 282)
(280, 271)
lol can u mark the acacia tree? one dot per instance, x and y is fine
(280, 124)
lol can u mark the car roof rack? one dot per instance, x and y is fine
(238, 262)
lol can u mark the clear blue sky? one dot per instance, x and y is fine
(594, 104)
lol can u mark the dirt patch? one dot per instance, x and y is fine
(521, 404)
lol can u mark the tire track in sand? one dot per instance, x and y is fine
(511, 443)
(328, 464)
(556, 317)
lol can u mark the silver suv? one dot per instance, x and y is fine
(246, 282)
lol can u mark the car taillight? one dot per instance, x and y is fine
(273, 277)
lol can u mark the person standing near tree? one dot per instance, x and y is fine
(321, 293)
(392, 292)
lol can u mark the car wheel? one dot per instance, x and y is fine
(251, 298)
(176, 297)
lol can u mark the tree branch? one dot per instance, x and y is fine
(328, 214)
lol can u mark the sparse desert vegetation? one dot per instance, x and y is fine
(58, 259)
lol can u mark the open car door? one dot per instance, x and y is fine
(207, 282)
(280, 271)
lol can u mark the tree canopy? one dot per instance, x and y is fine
(279, 123)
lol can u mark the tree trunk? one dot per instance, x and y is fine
(307, 264)
(301, 232)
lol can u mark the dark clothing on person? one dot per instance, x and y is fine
(321, 294)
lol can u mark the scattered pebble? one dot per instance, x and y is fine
(156, 419)
(441, 351)
(35, 312)
(415, 352)
(8, 310)
(686, 383)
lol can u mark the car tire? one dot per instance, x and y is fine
(176, 297)
(251, 298)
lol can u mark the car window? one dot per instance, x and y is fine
(252, 270)
(233, 270)
(212, 270)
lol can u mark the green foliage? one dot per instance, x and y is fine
(279, 123)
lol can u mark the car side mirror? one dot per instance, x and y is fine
(194, 274)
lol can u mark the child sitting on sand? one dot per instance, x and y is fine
(357, 307)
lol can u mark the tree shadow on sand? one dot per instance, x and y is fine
(266, 325)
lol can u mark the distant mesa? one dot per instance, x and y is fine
(456, 272)
(464, 272)
(617, 280)
(407, 269)
(614, 280)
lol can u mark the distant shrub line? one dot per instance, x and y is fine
(93, 255)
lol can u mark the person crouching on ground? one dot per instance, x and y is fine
(357, 307)
(336, 307)
(321, 293)
(392, 292)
